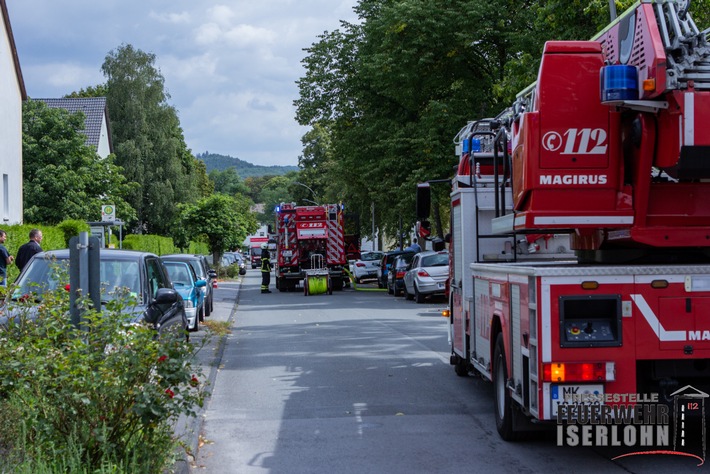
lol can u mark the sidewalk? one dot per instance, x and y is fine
(209, 357)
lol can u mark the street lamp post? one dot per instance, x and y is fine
(312, 192)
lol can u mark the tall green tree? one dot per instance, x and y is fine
(223, 221)
(148, 140)
(63, 177)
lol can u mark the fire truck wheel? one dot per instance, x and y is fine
(503, 402)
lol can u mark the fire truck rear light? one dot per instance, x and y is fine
(649, 85)
(578, 372)
(659, 284)
(590, 285)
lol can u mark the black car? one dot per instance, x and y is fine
(385, 265)
(204, 272)
(395, 275)
(141, 274)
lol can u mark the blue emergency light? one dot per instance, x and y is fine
(475, 145)
(619, 82)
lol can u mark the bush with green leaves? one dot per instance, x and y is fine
(102, 398)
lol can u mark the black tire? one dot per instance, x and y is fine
(461, 367)
(202, 312)
(418, 297)
(503, 409)
(407, 295)
(195, 327)
(390, 290)
(337, 284)
(208, 306)
(395, 291)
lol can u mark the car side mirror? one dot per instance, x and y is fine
(213, 273)
(165, 296)
(201, 283)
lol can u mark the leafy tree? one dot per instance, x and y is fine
(148, 140)
(274, 192)
(223, 220)
(99, 90)
(63, 178)
(227, 182)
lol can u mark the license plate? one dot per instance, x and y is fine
(287, 253)
(560, 394)
(441, 286)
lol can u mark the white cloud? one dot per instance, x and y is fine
(230, 66)
(174, 18)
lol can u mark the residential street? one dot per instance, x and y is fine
(360, 382)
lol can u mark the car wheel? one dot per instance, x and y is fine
(396, 292)
(195, 327)
(203, 312)
(407, 295)
(389, 289)
(418, 297)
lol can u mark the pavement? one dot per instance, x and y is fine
(187, 429)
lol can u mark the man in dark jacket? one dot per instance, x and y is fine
(265, 268)
(26, 251)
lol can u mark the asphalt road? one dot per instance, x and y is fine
(359, 382)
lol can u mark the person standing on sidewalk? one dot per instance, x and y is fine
(26, 251)
(5, 258)
(265, 268)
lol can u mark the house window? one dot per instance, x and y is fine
(5, 197)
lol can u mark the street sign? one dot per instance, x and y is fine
(108, 213)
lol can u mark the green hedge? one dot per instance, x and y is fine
(150, 243)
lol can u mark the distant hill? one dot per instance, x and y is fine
(244, 169)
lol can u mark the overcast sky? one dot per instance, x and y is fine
(230, 66)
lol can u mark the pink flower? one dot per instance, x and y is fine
(170, 393)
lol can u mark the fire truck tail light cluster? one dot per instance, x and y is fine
(578, 372)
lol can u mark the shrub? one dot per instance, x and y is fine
(103, 398)
(150, 243)
(71, 228)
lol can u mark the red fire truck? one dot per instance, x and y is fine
(304, 232)
(580, 224)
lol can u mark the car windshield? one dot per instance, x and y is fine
(371, 256)
(436, 260)
(179, 273)
(47, 274)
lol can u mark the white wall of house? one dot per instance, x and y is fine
(10, 135)
(103, 149)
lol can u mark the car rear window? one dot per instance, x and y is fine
(438, 260)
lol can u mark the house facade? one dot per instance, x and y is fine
(12, 94)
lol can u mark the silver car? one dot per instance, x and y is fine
(427, 275)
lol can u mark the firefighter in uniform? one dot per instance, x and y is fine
(265, 268)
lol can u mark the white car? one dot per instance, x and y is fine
(367, 266)
(427, 275)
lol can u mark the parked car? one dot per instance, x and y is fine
(238, 260)
(427, 275)
(186, 283)
(203, 271)
(395, 276)
(366, 267)
(385, 265)
(141, 274)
